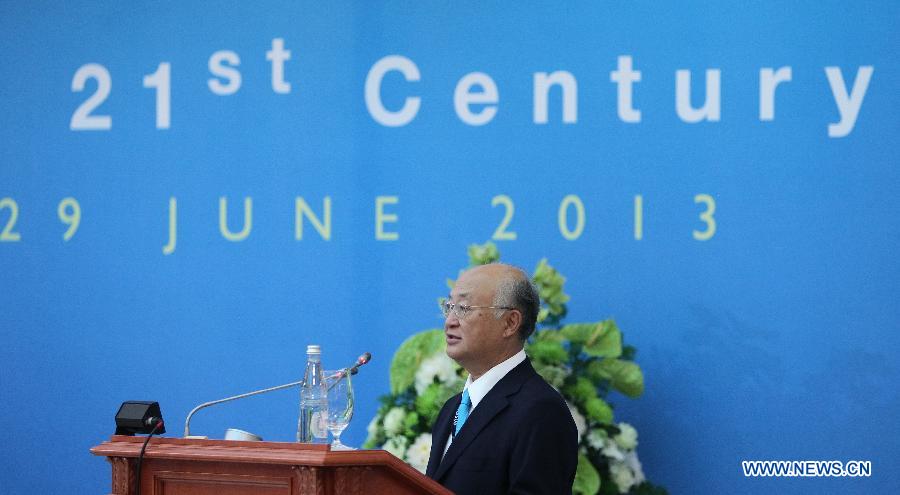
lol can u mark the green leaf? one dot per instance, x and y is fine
(548, 336)
(483, 254)
(580, 332)
(554, 375)
(598, 339)
(624, 376)
(598, 410)
(411, 354)
(429, 404)
(587, 479)
(547, 351)
(597, 372)
(410, 422)
(550, 286)
(581, 390)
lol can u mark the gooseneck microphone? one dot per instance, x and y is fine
(365, 358)
(340, 374)
(361, 360)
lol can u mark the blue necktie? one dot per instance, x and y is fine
(462, 413)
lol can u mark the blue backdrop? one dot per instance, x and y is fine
(735, 210)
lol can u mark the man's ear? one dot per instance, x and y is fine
(513, 322)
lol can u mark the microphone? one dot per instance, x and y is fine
(361, 360)
(339, 375)
(365, 358)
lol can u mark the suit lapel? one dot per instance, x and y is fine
(443, 424)
(493, 403)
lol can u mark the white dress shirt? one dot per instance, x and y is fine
(480, 387)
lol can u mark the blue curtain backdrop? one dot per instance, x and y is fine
(758, 277)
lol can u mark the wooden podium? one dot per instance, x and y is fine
(178, 466)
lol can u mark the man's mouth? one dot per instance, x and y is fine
(452, 339)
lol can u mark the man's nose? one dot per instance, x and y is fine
(451, 320)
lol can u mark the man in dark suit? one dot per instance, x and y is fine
(508, 432)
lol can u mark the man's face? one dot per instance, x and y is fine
(476, 340)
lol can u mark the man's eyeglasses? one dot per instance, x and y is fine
(462, 310)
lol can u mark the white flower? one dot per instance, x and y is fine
(397, 446)
(373, 427)
(438, 366)
(631, 459)
(621, 476)
(627, 437)
(611, 450)
(393, 421)
(580, 423)
(418, 452)
(597, 438)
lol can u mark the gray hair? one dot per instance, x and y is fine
(519, 292)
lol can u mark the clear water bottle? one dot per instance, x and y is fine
(313, 424)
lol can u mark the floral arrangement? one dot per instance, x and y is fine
(584, 361)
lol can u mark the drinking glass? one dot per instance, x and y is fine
(340, 405)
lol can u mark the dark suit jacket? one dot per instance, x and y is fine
(520, 439)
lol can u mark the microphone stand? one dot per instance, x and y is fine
(340, 374)
(187, 422)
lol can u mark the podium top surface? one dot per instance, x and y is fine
(289, 453)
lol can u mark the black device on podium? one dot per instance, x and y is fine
(137, 416)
